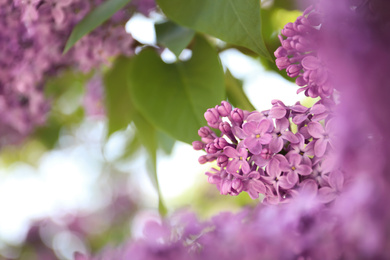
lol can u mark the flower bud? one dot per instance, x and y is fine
(224, 109)
(220, 143)
(293, 70)
(197, 145)
(211, 149)
(282, 63)
(211, 116)
(202, 159)
(237, 185)
(222, 160)
(280, 52)
(237, 115)
(204, 131)
(225, 128)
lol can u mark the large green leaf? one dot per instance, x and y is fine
(234, 21)
(175, 96)
(94, 19)
(119, 106)
(173, 36)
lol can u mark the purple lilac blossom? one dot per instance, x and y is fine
(261, 154)
(298, 55)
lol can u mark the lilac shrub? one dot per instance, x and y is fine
(326, 167)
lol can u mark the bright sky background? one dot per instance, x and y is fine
(66, 177)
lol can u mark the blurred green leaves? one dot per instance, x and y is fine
(94, 19)
(232, 21)
(174, 97)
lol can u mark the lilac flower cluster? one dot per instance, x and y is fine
(298, 55)
(33, 36)
(260, 153)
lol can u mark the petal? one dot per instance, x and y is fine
(304, 170)
(309, 148)
(245, 167)
(250, 128)
(326, 194)
(255, 116)
(230, 152)
(315, 129)
(214, 179)
(299, 108)
(253, 175)
(336, 180)
(265, 139)
(253, 145)
(294, 159)
(264, 126)
(257, 185)
(289, 136)
(309, 187)
(298, 119)
(259, 160)
(281, 124)
(238, 132)
(226, 187)
(318, 109)
(273, 169)
(304, 132)
(277, 112)
(292, 178)
(242, 152)
(311, 63)
(320, 147)
(276, 145)
(285, 184)
(233, 166)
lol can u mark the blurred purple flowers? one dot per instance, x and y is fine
(32, 39)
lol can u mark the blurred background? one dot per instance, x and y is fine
(71, 186)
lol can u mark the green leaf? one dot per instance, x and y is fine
(175, 37)
(147, 135)
(133, 144)
(234, 21)
(174, 97)
(235, 93)
(119, 106)
(94, 19)
(165, 142)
